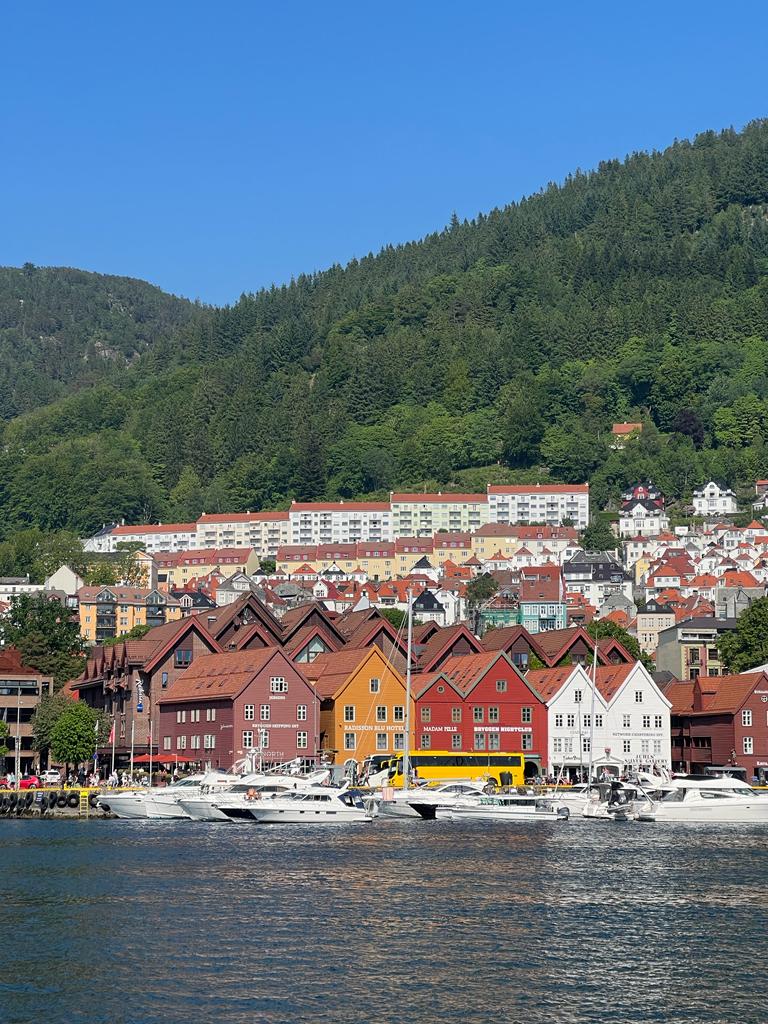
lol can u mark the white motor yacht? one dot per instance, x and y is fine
(505, 807)
(408, 803)
(165, 801)
(700, 799)
(225, 803)
(318, 805)
(126, 804)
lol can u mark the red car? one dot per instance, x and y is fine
(27, 782)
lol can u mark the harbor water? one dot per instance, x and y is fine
(152, 922)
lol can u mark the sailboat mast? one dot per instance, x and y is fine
(408, 658)
(592, 719)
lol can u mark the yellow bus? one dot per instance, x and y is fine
(447, 765)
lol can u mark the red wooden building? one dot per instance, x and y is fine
(481, 702)
(227, 705)
(720, 720)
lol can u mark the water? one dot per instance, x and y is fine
(425, 922)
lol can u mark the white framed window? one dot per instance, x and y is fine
(264, 738)
(493, 715)
(455, 715)
(249, 712)
(477, 714)
(749, 745)
(494, 741)
(585, 744)
(567, 744)
(210, 714)
(301, 740)
(181, 742)
(638, 696)
(557, 745)
(577, 695)
(558, 721)
(181, 716)
(349, 712)
(381, 741)
(598, 721)
(658, 721)
(426, 741)
(350, 740)
(626, 721)
(479, 741)
(398, 713)
(646, 721)
(375, 685)
(247, 739)
(265, 712)
(645, 746)
(456, 741)
(194, 715)
(399, 741)
(166, 742)
(278, 684)
(426, 714)
(209, 742)
(381, 713)
(587, 721)
(301, 712)
(746, 717)
(527, 741)
(657, 746)
(501, 686)
(194, 742)
(627, 746)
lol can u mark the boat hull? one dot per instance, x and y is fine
(125, 805)
(157, 807)
(201, 809)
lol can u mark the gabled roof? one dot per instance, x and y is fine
(441, 641)
(465, 671)
(330, 673)
(214, 676)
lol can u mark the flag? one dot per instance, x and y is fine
(112, 734)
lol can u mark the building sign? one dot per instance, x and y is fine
(503, 728)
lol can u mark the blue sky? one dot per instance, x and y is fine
(215, 148)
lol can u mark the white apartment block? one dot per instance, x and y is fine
(714, 499)
(265, 532)
(631, 726)
(155, 537)
(339, 522)
(550, 504)
(422, 515)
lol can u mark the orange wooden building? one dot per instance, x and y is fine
(362, 709)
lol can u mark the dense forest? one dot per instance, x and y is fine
(502, 348)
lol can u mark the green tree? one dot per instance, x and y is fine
(747, 646)
(3, 734)
(267, 566)
(394, 615)
(598, 536)
(600, 628)
(47, 636)
(187, 499)
(135, 633)
(46, 716)
(74, 735)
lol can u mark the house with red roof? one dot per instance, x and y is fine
(481, 702)
(226, 706)
(620, 724)
(719, 720)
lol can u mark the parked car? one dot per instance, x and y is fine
(50, 777)
(26, 782)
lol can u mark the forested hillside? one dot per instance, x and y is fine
(62, 329)
(501, 348)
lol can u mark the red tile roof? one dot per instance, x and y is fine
(339, 506)
(220, 675)
(447, 497)
(538, 488)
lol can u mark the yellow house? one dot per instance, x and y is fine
(176, 569)
(106, 612)
(362, 703)
(454, 546)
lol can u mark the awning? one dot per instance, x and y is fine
(164, 758)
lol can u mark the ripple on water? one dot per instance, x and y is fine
(429, 923)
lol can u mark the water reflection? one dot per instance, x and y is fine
(398, 921)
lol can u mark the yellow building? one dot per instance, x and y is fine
(175, 570)
(106, 612)
(454, 546)
(362, 709)
(422, 515)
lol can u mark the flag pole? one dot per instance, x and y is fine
(133, 731)
(114, 731)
